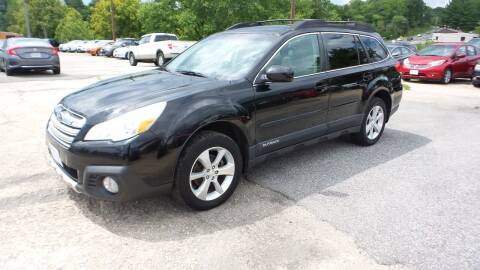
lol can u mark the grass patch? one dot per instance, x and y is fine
(406, 87)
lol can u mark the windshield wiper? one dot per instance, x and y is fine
(191, 73)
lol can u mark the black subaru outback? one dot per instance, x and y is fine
(232, 100)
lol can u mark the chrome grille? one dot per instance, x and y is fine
(64, 125)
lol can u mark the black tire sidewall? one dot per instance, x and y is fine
(132, 62)
(200, 143)
(362, 136)
(158, 56)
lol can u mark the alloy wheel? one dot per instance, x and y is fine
(374, 122)
(212, 173)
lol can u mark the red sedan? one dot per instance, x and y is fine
(441, 62)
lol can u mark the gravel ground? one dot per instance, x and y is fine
(411, 201)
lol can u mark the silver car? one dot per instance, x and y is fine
(28, 54)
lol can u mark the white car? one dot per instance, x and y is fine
(122, 52)
(157, 48)
(66, 47)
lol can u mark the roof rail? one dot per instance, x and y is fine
(352, 25)
(309, 23)
(260, 23)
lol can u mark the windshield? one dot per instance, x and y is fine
(223, 56)
(437, 50)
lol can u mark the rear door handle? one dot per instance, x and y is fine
(322, 87)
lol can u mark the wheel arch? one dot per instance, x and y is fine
(384, 94)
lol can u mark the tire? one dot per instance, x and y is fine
(406, 79)
(160, 60)
(447, 76)
(1, 68)
(8, 71)
(217, 182)
(126, 56)
(370, 134)
(56, 71)
(476, 85)
(132, 60)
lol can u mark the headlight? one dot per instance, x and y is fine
(406, 63)
(127, 125)
(477, 67)
(436, 63)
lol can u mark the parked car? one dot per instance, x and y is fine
(476, 75)
(201, 120)
(399, 52)
(123, 52)
(85, 46)
(28, 54)
(107, 50)
(157, 48)
(441, 62)
(65, 47)
(406, 44)
(98, 46)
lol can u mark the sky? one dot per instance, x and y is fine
(431, 3)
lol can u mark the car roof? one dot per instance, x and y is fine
(449, 44)
(278, 27)
(167, 34)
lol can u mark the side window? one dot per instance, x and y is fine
(374, 48)
(341, 49)
(144, 40)
(164, 38)
(405, 51)
(362, 54)
(397, 51)
(461, 50)
(301, 54)
(471, 51)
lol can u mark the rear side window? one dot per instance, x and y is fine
(374, 48)
(164, 37)
(301, 54)
(471, 51)
(362, 54)
(341, 49)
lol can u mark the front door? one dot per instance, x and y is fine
(460, 65)
(291, 112)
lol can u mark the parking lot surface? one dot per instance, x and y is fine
(412, 201)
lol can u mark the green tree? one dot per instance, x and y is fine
(79, 6)
(461, 14)
(416, 13)
(127, 19)
(45, 16)
(159, 16)
(72, 27)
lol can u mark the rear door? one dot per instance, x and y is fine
(472, 59)
(346, 79)
(291, 112)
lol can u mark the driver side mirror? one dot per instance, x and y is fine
(279, 74)
(460, 55)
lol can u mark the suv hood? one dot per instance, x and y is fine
(109, 98)
(423, 60)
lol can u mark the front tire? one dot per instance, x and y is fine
(447, 76)
(373, 123)
(132, 60)
(208, 171)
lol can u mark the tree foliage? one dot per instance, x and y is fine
(127, 19)
(72, 26)
(462, 14)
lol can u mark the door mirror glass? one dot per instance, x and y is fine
(278, 73)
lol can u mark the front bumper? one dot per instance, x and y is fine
(83, 169)
(427, 74)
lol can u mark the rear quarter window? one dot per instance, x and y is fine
(374, 49)
(341, 50)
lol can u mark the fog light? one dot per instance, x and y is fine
(110, 185)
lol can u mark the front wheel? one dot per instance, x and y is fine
(373, 123)
(447, 76)
(132, 60)
(208, 171)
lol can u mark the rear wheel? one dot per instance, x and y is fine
(160, 60)
(447, 76)
(56, 71)
(132, 60)
(373, 123)
(208, 171)
(8, 71)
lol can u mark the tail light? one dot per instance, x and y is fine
(54, 51)
(170, 45)
(12, 51)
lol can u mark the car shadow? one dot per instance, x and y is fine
(313, 170)
(454, 81)
(271, 187)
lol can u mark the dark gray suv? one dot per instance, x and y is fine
(28, 54)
